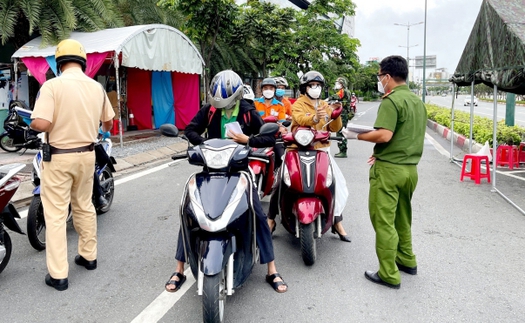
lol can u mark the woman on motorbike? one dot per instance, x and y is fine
(310, 111)
(226, 92)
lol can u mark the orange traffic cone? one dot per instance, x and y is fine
(131, 125)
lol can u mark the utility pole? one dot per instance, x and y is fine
(408, 25)
(425, 57)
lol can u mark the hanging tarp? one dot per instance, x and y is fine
(149, 47)
(162, 97)
(495, 50)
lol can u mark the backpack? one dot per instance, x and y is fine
(247, 116)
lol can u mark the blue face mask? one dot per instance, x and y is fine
(279, 92)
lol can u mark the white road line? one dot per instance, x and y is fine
(164, 302)
(436, 145)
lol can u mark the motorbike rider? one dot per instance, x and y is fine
(310, 111)
(268, 105)
(343, 95)
(282, 85)
(226, 92)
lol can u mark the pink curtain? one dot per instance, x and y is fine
(94, 61)
(186, 96)
(37, 66)
(139, 97)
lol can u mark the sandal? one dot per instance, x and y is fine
(177, 283)
(275, 284)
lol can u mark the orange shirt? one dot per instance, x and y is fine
(276, 108)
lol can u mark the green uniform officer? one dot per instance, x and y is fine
(399, 137)
(345, 97)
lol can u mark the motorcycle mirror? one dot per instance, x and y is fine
(169, 130)
(336, 113)
(286, 123)
(269, 129)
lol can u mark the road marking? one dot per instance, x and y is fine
(164, 302)
(436, 145)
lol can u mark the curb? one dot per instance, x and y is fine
(459, 140)
(25, 190)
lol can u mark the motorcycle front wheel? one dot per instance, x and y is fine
(108, 186)
(308, 245)
(5, 250)
(36, 225)
(6, 144)
(213, 298)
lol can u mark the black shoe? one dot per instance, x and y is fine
(342, 237)
(374, 278)
(58, 284)
(408, 270)
(102, 202)
(89, 264)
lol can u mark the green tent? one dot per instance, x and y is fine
(495, 50)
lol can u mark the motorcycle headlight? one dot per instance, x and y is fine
(304, 137)
(329, 176)
(217, 158)
(286, 176)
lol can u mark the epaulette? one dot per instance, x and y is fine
(387, 94)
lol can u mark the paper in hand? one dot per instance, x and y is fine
(359, 128)
(234, 127)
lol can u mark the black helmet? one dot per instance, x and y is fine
(226, 88)
(70, 50)
(268, 81)
(311, 76)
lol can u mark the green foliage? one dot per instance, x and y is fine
(366, 81)
(482, 129)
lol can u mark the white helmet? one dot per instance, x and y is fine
(225, 89)
(248, 93)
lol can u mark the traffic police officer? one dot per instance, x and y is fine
(68, 108)
(399, 136)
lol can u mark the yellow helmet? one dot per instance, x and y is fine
(70, 50)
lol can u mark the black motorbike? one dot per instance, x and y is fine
(218, 219)
(17, 134)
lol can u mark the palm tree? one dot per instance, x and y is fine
(139, 12)
(54, 19)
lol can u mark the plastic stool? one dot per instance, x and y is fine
(508, 156)
(521, 153)
(475, 168)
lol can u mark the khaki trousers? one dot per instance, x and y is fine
(389, 203)
(68, 178)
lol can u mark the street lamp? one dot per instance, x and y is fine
(408, 25)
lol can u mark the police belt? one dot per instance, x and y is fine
(89, 147)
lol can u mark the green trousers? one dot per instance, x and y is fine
(389, 204)
(345, 117)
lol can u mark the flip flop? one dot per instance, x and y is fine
(177, 283)
(275, 285)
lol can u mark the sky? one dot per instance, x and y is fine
(449, 23)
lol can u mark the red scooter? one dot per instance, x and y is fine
(262, 164)
(307, 188)
(9, 183)
(353, 104)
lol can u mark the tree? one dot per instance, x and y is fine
(23, 18)
(366, 80)
(142, 12)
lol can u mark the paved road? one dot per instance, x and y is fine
(484, 109)
(470, 245)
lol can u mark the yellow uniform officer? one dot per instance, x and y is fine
(68, 108)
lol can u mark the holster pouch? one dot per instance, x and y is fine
(46, 152)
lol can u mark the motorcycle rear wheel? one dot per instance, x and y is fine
(36, 225)
(5, 242)
(6, 144)
(213, 298)
(108, 185)
(308, 245)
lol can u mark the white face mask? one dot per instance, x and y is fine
(268, 94)
(315, 93)
(337, 86)
(380, 86)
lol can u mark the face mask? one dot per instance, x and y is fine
(337, 86)
(279, 92)
(268, 94)
(380, 86)
(315, 93)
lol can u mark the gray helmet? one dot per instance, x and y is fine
(225, 89)
(268, 81)
(311, 76)
(343, 81)
(281, 81)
